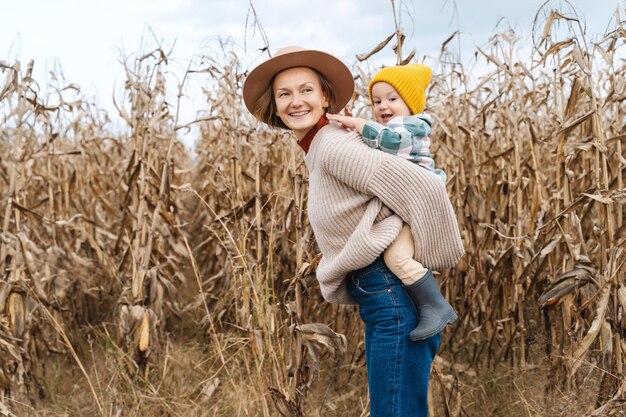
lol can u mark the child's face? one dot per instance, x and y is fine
(387, 103)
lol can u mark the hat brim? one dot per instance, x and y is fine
(336, 72)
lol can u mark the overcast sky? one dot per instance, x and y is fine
(88, 38)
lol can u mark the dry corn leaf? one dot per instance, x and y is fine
(565, 130)
(581, 59)
(318, 335)
(556, 48)
(604, 199)
(447, 41)
(583, 347)
(565, 284)
(381, 45)
(606, 339)
(408, 58)
(322, 334)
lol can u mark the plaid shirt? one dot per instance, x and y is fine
(406, 137)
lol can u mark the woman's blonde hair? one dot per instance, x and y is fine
(265, 107)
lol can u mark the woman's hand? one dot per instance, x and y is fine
(350, 122)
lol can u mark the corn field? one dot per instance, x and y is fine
(140, 280)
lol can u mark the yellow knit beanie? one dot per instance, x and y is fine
(410, 81)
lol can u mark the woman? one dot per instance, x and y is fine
(358, 198)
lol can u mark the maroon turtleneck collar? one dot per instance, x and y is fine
(305, 142)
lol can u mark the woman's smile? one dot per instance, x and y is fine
(299, 114)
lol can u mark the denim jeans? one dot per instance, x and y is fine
(398, 369)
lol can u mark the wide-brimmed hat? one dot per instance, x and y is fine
(335, 71)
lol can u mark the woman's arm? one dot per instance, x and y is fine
(417, 195)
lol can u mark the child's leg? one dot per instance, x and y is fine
(435, 312)
(399, 258)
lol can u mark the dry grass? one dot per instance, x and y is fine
(138, 282)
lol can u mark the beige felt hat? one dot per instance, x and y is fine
(335, 71)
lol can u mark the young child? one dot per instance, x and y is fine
(398, 96)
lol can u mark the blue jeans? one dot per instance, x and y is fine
(398, 369)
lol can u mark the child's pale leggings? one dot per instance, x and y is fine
(399, 258)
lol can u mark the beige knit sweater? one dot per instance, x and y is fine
(354, 191)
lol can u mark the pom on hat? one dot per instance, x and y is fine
(410, 81)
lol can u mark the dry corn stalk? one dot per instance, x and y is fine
(148, 237)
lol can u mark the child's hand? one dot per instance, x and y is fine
(348, 121)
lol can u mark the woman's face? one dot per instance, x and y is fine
(300, 102)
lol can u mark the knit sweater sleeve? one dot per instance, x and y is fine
(417, 195)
